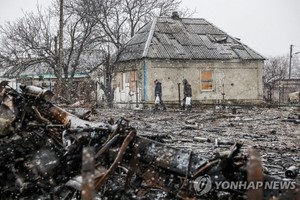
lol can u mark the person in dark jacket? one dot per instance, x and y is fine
(187, 92)
(158, 96)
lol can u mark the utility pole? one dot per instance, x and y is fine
(290, 64)
(60, 49)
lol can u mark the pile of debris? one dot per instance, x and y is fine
(49, 153)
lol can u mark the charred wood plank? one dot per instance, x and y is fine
(88, 173)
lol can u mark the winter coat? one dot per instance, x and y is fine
(187, 90)
(158, 90)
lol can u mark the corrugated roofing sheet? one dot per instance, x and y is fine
(242, 53)
(195, 39)
(182, 38)
(145, 28)
(158, 51)
(186, 39)
(132, 52)
(208, 43)
(162, 38)
(138, 39)
(194, 21)
(196, 51)
(251, 52)
(163, 28)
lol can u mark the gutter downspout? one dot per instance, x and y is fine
(145, 81)
(145, 52)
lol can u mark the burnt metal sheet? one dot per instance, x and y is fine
(180, 161)
(7, 117)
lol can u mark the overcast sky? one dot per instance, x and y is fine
(267, 26)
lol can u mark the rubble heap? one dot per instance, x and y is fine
(49, 153)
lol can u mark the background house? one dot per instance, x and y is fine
(280, 90)
(82, 86)
(218, 66)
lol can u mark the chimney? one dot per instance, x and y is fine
(175, 15)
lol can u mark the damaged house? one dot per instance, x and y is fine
(82, 85)
(170, 49)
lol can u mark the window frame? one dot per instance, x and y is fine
(209, 80)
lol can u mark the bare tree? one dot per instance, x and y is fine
(60, 63)
(27, 42)
(275, 69)
(33, 40)
(117, 21)
(95, 31)
(140, 12)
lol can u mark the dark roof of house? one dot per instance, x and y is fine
(185, 38)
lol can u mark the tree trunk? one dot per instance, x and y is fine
(60, 50)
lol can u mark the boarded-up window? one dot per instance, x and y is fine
(133, 80)
(206, 77)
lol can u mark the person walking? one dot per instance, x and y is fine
(158, 96)
(187, 95)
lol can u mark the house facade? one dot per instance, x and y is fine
(170, 49)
